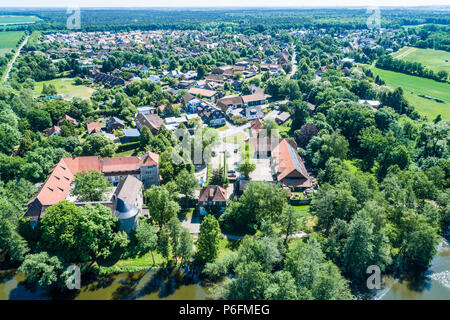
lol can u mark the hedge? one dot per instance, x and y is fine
(127, 146)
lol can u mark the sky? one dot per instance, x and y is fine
(219, 3)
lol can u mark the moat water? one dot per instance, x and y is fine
(150, 285)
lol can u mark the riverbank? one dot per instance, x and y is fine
(433, 284)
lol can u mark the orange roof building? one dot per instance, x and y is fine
(289, 166)
(58, 185)
(212, 195)
(93, 127)
(202, 92)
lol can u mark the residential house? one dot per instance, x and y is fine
(282, 117)
(104, 78)
(204, 93)
(256, 99)
(151, 121)
(53, 131)
(114, 123)
(288, 166)
(145, 110)
(374, 104)
(252, 113)
(212, 196)
(68, 118)
(227, 104)
(93, 127)
(130, 135)
(213, 116)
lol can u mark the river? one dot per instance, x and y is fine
(150, 285)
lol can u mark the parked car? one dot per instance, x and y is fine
(231, 171)
(231, 175)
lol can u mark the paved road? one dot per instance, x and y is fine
(300, 234)
(233, 129)
(294, 64)
(14, 59)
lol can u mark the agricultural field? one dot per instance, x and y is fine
(66, 87)
(435, 60)
(413, 86)
(7, 20)
(9, 40)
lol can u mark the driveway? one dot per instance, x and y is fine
(193, 225)
(262, 171)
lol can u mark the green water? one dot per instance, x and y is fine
(434, 284)
(143, 285)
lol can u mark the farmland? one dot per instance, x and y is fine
(412, 86)
(9, 40)
(435, 60)
(65, 87)
(7, 20)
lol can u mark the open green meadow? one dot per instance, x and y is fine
(412, 86)
(9, 40)
(435, 60)
(66, 87)
(6, 20)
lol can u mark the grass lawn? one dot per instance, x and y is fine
(66, 87)
(9, 40)
(304, 210)
(412, 86)
(128, 153)
(134, 264)
(307, 220)
(435, 60)
(5, 20)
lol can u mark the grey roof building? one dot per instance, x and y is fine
(128, 202)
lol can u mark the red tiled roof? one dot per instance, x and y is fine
(93, 126)
(69, 118)
(213, 193)
(149, 159)
(258, 96)
(120, 164)
(58, 184)
(51, 130)
(256, 124)
(289, 165)
(203, 92)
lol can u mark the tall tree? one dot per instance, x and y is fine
(160, 204)
(147, 240)
(90, 185)
(208, 240)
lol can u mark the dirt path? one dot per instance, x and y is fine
(10, 65)
(404, 54)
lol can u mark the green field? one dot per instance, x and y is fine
(435, 60)
(6, 20)
(9, 40)
(412, 86)
(66, 87)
